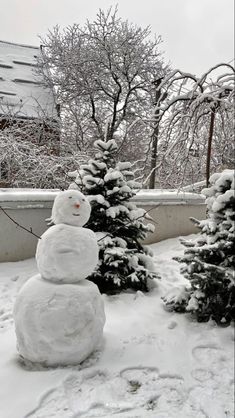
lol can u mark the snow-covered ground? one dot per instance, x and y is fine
(152, 363)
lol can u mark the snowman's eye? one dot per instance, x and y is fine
(83, 200)
(70, 197)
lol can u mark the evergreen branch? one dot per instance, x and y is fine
(20, 226)
(132, 222)
(187, 243)
(211, 267)
(194, 220)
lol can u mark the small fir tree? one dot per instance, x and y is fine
(123, 261)
(209, 263)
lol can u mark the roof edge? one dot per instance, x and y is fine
(22, 45)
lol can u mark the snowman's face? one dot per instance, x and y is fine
(71, 207)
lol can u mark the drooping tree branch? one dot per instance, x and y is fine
(185, 125)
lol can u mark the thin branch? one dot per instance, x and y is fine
(20, 226)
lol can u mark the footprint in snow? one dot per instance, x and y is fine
(96, 394)
(54, 404)
(214, 401)
(208, 355)
(202, 375)
(213, 378)
(135, 392)
(214, 365)
(6, 319)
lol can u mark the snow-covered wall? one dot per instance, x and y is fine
(160, 196)
(170, 211)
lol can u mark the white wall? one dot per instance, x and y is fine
(170, 213)
(29, 208)
(15, 243)
(173, 220)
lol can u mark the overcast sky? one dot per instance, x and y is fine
(196, 33)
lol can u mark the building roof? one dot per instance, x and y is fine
(21, 91)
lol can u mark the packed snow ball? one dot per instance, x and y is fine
(58, 324)
(71, 207)
(67, 254)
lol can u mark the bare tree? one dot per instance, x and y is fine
(103, 74)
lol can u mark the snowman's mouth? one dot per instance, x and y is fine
(76, 214)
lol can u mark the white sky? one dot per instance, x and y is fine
(197, 33)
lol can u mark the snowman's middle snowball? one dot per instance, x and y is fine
(67, 254)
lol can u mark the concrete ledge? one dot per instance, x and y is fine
(170, 212)
(169, 197)
(27, 198)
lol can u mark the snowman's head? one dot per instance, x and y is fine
(71, 207)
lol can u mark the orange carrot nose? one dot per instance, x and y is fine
(77, 205)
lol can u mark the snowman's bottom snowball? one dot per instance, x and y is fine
(58, 324)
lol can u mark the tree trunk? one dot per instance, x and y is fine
(155, 135)
(154, 151)
(208, 159)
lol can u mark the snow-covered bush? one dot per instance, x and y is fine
(124, 261)
(27, 164)
(209, 263)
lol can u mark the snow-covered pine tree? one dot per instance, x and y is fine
(119, 224)
(209, 263)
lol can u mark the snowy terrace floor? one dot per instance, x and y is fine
(152, 363)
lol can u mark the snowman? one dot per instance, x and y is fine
(59, 315)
